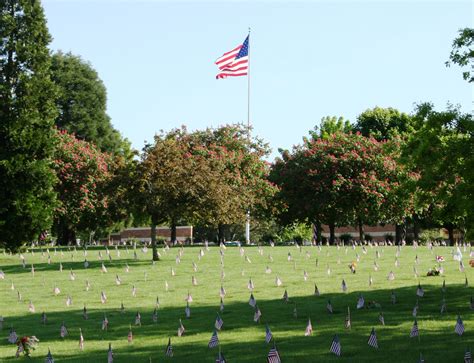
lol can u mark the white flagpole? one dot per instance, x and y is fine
(247, 223)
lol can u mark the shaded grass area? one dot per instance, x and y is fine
(242, 340)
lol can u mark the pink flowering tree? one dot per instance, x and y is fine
(342, 179)
(83, 173)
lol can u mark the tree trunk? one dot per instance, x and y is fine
(416, 228)
(317, 231)
(173, 231)
(450, 228)
(153, 240)
(361, 231)
(398, 233)
(66, 235)
(220, 233)
(332, 234)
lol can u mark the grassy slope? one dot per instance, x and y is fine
(241, 339)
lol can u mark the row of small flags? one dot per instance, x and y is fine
(273, 355)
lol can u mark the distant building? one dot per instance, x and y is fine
(378, 233)
(184, 234)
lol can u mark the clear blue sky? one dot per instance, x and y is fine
(308, 60)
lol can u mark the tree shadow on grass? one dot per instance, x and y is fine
(242, 340)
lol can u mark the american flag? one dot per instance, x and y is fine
(105, 323)
(110, 354)
(468, 356)
(414, 330)
(415, 310)
(63, 331)
(443, 306)
(81, 340)
(103, 297)
(268, 334)
(381, 319)
(187, 310)
(252, 301)
(257, 315)
(219, 322)
(309, 329)
(84, 313)
(12, 337)
(220, 358)
(214, 341)
(273, 356)
(285, 296)
(138, 319)
(419, 291)
(336, 346)
(373, 339)
(444, 286)
(393, 297)
(235, 62)
(360, 302)
(49, 357)
(169, 349)
(459, 328)
(181, 329)
(348, 319)
(344, 286)
(439, 258)
(329, 307)
(250, 285)
(316, 290)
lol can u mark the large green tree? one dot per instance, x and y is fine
(244, 186)
(441, 151)
(175, 182)
(383, 123)
(82, 103)
(27, 113)
(462, 52)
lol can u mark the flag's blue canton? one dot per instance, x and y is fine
(244, 51)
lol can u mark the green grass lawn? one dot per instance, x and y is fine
(241, 339)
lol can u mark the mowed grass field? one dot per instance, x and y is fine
(241, 339)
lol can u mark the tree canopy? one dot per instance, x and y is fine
(462, 52)
(27, 111)
(82, 103)
(383, 123)
(343, 179)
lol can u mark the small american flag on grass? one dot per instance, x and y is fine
(336, 346)
(268, 334)
(373, 339)
(459, 328)
(214, 341)
(273, 356)
(219, 322)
